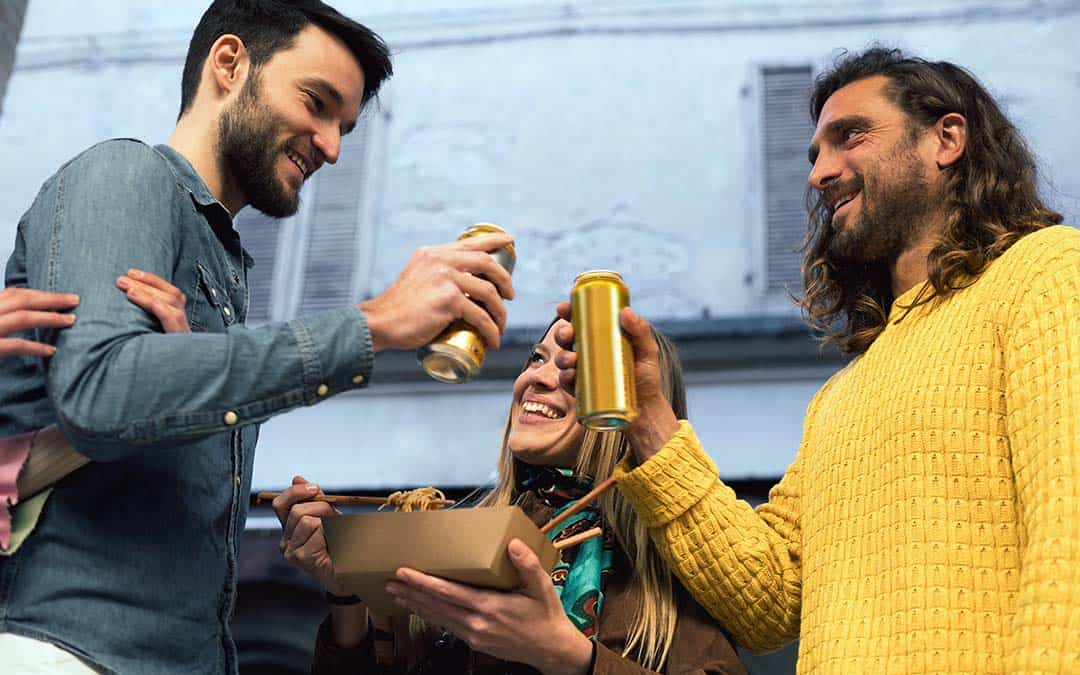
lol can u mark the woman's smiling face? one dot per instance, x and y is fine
(543, 418)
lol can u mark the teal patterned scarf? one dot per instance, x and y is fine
(582, 573)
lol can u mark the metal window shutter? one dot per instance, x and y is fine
(261, 237)
(333, 227)
(787, 133)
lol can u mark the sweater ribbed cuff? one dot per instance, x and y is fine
(669, 482)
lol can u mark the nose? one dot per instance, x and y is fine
(328, 142)
(827, 168)
(545, 377)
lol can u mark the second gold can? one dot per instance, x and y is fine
(457, 354)
(605, 392)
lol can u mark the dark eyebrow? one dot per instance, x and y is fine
(833, 129)
(328, 89)
(333, 93)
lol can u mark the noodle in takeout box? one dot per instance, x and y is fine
(467, 545)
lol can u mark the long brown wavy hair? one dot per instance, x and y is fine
(991, 197)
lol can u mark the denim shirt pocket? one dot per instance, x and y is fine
(211, 310)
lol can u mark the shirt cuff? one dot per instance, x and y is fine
(335, 351)
(671, 481)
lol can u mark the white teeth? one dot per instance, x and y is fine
(541, 408)
(843, 201)
(299, 161)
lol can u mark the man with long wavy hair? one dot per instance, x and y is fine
(930, 521)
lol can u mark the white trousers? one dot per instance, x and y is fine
(23, 655)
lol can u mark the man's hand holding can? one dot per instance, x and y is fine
(438, 285)
(656, 422)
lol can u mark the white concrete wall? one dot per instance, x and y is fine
(604, 134)
(750, 422)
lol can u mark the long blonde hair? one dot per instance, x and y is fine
(653, 626)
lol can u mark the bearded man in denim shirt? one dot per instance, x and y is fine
(132, 567)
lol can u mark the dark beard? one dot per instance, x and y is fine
(248, 154)
(892, 217)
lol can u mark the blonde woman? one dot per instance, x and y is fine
(610, 606)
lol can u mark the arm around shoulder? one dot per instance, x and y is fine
(107, 210)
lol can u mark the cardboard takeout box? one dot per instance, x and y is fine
(466, 545)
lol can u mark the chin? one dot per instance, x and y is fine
(282, 205)
(848, 242)
(537, 460)
(528, 456)
(536, 455)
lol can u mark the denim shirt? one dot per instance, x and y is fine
(133, 562)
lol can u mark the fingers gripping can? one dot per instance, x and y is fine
(457, 354)
(606, 398)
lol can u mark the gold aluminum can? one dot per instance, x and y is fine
(457, 354)
(605, 392)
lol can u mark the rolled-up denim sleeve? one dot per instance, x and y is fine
(116, 384)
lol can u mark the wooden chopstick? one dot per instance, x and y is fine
(581, 503)
(578, 538)
(347, 499)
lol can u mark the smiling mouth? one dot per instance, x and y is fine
(542, 409)
(843, 201)
(299, 161)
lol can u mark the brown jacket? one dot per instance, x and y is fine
(699, 646)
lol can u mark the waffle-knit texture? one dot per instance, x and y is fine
(930, 522)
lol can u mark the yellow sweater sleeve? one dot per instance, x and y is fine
(742, 566)
(1042, 358)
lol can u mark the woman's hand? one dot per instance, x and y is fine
(25, 308)
(158, 297)
(656, 422)
(527, 625)
(303, 542)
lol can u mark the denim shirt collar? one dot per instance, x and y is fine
(216, 214)
(187, 177)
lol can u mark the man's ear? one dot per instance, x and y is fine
(229, 64)
(951, 135)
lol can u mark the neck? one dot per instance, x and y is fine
(189, 138)
(909, 268)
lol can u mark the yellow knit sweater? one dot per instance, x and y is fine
(930, 522)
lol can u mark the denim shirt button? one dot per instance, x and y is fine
(231, 418)
(323, 390)
(213, 293)
(237, 479)
(227, 311)
(358, 379)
